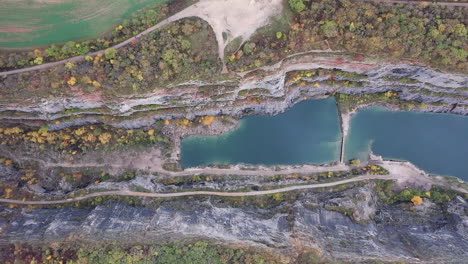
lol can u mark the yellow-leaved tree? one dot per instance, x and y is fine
(417, 200)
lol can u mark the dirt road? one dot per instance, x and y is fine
(192, 193)
(400, 171)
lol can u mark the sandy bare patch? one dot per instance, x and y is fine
(236, 18)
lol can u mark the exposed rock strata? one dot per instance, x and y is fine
(393, 233)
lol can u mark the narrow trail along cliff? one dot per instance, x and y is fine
(180, 194)
(399, 171)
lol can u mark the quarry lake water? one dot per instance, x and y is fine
(309, 132)
(436, 143)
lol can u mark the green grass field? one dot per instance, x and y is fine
(30, 23)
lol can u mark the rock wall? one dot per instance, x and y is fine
(422, 234)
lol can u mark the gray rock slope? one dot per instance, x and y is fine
(371, 229)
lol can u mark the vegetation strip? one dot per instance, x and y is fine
(183, 14)
(82, 57)
(180, 194)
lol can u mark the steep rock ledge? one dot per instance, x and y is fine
(423, 234)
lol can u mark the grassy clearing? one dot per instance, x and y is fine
(25, 23)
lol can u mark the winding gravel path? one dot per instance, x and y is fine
(192, 193)
(400, 171)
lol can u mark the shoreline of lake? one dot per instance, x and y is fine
(346, 122)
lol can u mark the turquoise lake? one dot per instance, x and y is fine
(309, 132)
(436, 143)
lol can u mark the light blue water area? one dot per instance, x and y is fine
(309, 132)
(437, 143)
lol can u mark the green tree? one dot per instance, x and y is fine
(72, 48)
(170, 56)
(186, 44)
(460, 30)
(297, 5)
(53, 51)
(329, 29)
(69, 48)
(110, 53)
(247, 49)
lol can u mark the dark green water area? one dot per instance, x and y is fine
(309, 132)
(436, 143)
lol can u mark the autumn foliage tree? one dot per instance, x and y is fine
(417, 200)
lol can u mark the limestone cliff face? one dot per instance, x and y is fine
(184, 100)
(373, 230)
